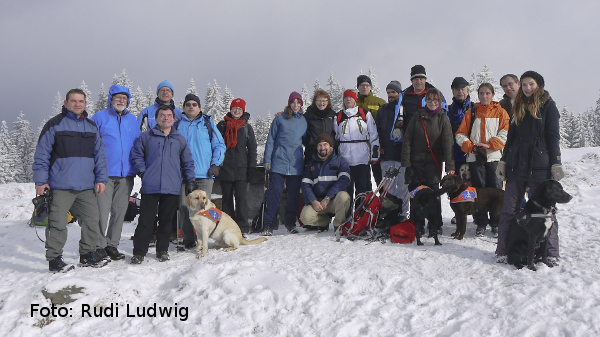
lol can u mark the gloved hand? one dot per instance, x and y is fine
(501, 170)
(190, 186)
(557, 172)
(213, 170)
(408, 175)
(267, 166)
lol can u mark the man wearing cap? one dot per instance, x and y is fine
(164, 96)
(371, 103)
(510, 84)
(324, 184)
(389, 123)
(118, 129)
(413, 97)
(461, 103)
(208, 150)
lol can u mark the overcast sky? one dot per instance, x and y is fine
(263, 50)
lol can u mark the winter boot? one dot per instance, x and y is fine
(480, 231)
(113, 253)
(92, 259)
(58, 265)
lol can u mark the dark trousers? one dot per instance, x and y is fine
(273, 198)
(377, 175)
(166, 205)
(484, 175)
(237, 189)
(513, 195)
(360, 179)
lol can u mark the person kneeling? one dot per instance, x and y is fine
(324, 184)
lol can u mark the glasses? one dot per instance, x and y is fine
(364, 85)
(165, 90)
(432, 100)
(322, 100)
(120, 98)
(188, 105)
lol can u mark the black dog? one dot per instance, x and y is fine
(534, 221)
(424, 205)
(488, 200)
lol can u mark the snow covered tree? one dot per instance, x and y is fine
(227, 99)
(150, 97)
(24, 145)
(57, 105)
(122, 79)
(305, 98)
(374, 84)
(213, 105)
(595, 121)
(190, 90)
(89, 107)
(137, 102)
(102, 101)
(484, 76)
(565, 131)
(336, 92)
(7, 155)
(317, 85)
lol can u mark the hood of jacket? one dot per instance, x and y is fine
(118, 89)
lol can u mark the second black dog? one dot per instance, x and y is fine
(424, 205)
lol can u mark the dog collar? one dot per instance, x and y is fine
(468, 195)
(546, 210)
(416, 190)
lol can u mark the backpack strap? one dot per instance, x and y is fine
(341, 116)
(473, 115)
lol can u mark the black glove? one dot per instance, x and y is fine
(190, 186)
(408, 175)
(213, 171)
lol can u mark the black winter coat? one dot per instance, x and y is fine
(318, 122)
(385, 122)
(507, 105)
(413, 102)
(532, 147)
(239, 159)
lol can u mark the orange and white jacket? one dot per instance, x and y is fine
(490, 127)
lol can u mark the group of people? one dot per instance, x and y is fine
(324, 155)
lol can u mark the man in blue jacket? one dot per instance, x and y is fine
(208, 150)
(160, 156)
(70, 162)
(118, 129)
(164, 96)
(324, 184)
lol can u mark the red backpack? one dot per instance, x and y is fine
(403, 232)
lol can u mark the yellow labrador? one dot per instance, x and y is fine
(226, 234)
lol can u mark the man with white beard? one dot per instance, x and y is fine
(118, 129)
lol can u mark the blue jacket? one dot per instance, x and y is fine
(456, 113)
(325, 178)
(206, 152)
(118, 133)
(284, 144)
(160, 160)
(150, 111)
(70, 154)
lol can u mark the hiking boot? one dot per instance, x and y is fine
(102, 253)
(92, 259)
(292, 230)
(137, 259)
(480, 231)
(162, 256)
(554, 260)
(58, 265)
(267, 232)
(495, 232)
(113, 253)
(501, 258)
(189, 244)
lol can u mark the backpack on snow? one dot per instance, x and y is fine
(403, 232)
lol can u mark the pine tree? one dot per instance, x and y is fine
(305, 98)
(336, 92)
(7, 153)
(150, 97)
(57, 105)
(102, 101)
(565, 131)
(122, 79)
(374, 84)
(190, 90)
(596, 123)
(317, 85)
(137, 102)
(227, 99)
(214, 103)
(24, 146)
(484, 76)
(575, 138)
(89, 107)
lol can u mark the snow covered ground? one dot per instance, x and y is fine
(310, 285)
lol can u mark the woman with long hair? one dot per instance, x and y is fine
(284, 160)
(531, 155)
(482, 138)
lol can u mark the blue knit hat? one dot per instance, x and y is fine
(167, 84)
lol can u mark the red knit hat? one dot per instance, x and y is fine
(295, 95)
(238, 102)
(350, 93)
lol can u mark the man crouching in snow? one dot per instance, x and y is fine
(70, 160)
(324, 184)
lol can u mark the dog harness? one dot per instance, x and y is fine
(524, 217)
(416, 190)
(214, 214)
(468, 195)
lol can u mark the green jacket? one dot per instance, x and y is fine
(370, 103)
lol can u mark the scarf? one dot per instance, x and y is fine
(432, 112)
(232, 126)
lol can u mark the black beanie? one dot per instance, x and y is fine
(363, 78)
(191, 97)
(394, 85)
(536, 77)
(459, 82)
(417, 71)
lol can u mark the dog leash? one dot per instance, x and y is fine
(429, 145)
